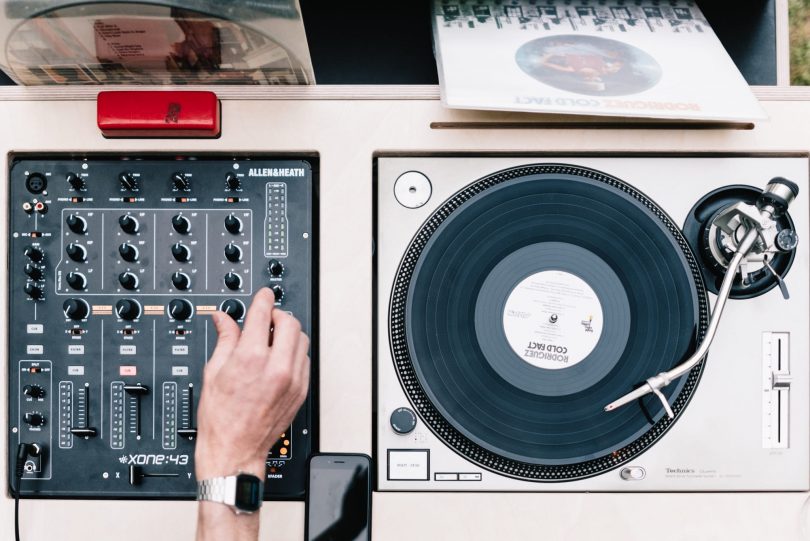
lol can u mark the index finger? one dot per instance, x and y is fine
(256, 331)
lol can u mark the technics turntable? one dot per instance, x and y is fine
(543, 323)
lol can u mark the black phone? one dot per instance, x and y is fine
(339, 497)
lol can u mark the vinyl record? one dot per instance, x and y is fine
(531, 299)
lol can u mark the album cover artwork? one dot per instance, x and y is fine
(649, 59)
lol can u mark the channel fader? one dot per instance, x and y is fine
(114, 265)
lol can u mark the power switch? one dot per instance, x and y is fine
(776, 382)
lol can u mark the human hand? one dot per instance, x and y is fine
(251, 390)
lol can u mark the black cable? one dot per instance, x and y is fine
(23, 450)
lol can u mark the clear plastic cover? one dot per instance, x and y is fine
(202, 42)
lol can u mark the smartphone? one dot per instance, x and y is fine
(339, 497)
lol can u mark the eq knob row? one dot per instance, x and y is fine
(129, 182)
(130, 309)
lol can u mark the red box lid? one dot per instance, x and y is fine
(160, 113)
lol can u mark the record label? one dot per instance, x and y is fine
(553, 319)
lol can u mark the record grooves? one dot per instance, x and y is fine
(602, 247)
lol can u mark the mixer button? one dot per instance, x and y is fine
(181, 281)
(77, 224)
(34, 272)
(76, 252)
(233, 308)
(129, 224)
(76, 280)
(33, 291)
(34, 254)
(76, 309)
(180, 309)
(233, 253)
(128, 181)
(278, 291)
(275, 268)
(128, 309)
(233, 281)
(180, 182)
(128, 252)
(76, 182)
(233, 224)
(128, 280)
(181, 224)
(232, 182)
(181, 252)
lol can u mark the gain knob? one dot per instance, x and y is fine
(34, 272)
(233, 253)
(181, 281)
(128, 252)
(76, 252)
(33, 291)
(180, 309)
(128, 181)
(278, 292)
(34, 418)
(76, 280)
(181, 224)
(233, 281)
(34, 391)
(128, 309)
(275, 268)
(180, 182)
(76, 182)
(128, 280)
(76, 309)
(129, 224)
(233, 224)
(77, 224)
(232, 182)
(233, 308)
(34, 254)
(181, 252)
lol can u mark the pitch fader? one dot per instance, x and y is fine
(114, 266)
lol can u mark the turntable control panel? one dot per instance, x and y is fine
(114, 266)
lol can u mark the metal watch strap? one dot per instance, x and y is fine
(212, 490)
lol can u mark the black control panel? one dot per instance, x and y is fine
(114, 266)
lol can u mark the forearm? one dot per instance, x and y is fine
(216, 522)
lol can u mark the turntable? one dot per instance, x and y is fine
(543, 324)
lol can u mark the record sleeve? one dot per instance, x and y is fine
(170, 42)
(611, 57)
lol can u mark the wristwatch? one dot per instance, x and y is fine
(241, 492)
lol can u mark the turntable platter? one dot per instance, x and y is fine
(529, 300)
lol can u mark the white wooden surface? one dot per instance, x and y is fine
(346, 133)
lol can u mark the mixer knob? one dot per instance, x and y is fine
(34, 418)
(33, 291)
(34, 272)
(76, 252)
(129, 224)
(181, 252)
(180, 309)
(181, 280)
(34, 254)
(128, 309)
(76, 309)
(181, 224)
(278, 291)
(233, 224)
(233, 281)
(233, 308)
(275, 268)
(128, 252)
(128, 181)
(180, 182)
(77, 224)
(34, 391)
(76, 280)
(76, 182)
(232, 182)
(128, 280)
(233, 253)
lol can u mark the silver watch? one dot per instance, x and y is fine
(241, 492)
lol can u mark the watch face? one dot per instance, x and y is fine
(248, 492)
